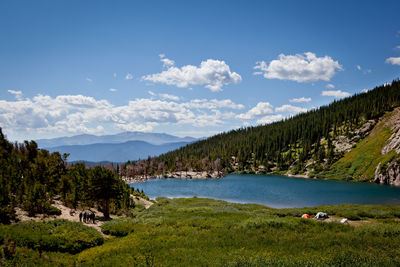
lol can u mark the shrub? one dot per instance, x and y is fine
(51, 210)
(119, 227)
(52, 235)
(7, 214)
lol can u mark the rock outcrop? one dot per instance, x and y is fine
(343, 143)
(389, 175)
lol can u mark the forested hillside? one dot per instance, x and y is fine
(308, 143)
(31, 178)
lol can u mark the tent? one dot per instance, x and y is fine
(305, 216)
(321, 216)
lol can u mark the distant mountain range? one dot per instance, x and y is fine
(87, 139)
(117, 152)
(114, 148)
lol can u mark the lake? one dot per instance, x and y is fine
(273, 191)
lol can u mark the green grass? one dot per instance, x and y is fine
(206, 232)
(360, 163)
(51, 235)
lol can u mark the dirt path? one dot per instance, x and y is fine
(74, 217)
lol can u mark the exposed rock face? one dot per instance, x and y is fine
(365, 128)
(393, 141)
(390, 176)
(343, 143)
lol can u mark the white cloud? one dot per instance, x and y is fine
(398, 47)
(213, 104)
(300, 100)
(337, 93)
(73, 114)
(128, 76)
(270, 118)
(170, 97)
(393, 60)
(17, 94)
(329, 85)
(261, 109)
(88, 79)
(166, 61)
(214, 74)
(290, 108)
(113, 90)
(299, 68)
(358, 67)
(364, 90)
(151, 93)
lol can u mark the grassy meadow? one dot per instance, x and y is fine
(206, 232)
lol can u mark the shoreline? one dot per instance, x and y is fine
(176, 175)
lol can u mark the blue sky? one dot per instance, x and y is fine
(185, 67)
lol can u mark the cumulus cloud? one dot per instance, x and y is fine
(128, 76)
(75, 114)
(260, 110)
(213, 104)
(358, 67)
(17, 94)
(299, 68)
(270, 118)
(170, 97)
(300, 100)
(336, 94)
(213, 74)
(290, 109)
(113, 90)
(166, 61)
(393, 60)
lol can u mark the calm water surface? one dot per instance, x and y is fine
(273, 191)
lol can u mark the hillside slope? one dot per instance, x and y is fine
(362, 161)
(343, 140)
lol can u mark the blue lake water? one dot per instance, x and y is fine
(273, 191)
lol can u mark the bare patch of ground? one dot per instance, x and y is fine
(66, 214)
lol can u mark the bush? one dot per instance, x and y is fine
(7, 214)
(51, 210)
(52, 235)
(119, 227)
